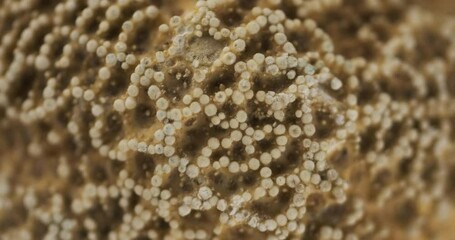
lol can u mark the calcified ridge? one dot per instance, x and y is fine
(223, 119)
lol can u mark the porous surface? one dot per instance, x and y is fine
(223, 119)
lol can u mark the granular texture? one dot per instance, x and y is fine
(226, 119)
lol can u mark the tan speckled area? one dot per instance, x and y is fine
(227, 119)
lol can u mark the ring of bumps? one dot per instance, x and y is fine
(223, 119)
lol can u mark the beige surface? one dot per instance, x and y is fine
(131, 121)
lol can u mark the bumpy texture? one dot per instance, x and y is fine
(226, 119)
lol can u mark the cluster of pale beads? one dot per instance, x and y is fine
(202, 101)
